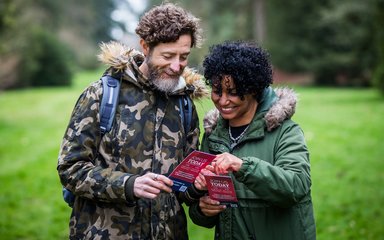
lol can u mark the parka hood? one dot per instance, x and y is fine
(283, 108)
(120, 57)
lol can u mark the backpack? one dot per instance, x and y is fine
(109, 102)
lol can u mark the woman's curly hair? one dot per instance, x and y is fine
(166, 23)
(247, 64)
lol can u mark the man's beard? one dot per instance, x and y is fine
(166, 85)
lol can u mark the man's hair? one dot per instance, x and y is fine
(166, 23)
(247, 64)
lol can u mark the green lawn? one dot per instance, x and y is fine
(343, 127)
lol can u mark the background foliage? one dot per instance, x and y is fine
(46, 62)
(332, 40)
(339, 43)
(42, 42)
(379, 41)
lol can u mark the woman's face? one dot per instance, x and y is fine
(237, 111)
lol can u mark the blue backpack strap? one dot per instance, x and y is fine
(185, 104)
(109, 101)
(68, 196)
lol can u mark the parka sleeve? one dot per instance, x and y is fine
(76, 162)
(288, 180)
(192, 194)
(200, 219)
(195, 213)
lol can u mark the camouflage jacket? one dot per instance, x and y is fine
(147, 136)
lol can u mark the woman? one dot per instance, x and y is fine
(259, 146)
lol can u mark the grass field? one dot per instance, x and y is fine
(344, 130)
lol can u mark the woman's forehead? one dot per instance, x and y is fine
(227, 82)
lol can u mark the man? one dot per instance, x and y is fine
(120, 178)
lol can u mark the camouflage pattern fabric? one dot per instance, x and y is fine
(147, 136)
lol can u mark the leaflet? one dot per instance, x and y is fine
(221, 188)
(187, 171)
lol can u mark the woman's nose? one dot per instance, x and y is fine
(223, 99)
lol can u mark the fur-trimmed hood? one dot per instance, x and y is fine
(283, 108)
(120, 57)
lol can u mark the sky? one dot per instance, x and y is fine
(128, 14)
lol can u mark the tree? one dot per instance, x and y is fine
(224, 20)
(83, 26)
(291, 34)
(46, 62)
(76, 26)
(329, 38)
(379, 43)
(259, 20)
(348, 53)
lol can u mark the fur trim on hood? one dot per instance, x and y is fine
(120, 56)
(282, 109)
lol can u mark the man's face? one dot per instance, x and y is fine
(166, 63)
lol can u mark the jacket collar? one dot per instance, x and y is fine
(269, 97)
(274, 107)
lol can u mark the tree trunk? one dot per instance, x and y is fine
(259, 20)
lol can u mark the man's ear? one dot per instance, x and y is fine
(144, 47)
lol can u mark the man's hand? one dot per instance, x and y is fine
(151, 184)
(210, 207)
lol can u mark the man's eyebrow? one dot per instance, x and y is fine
(175, 53)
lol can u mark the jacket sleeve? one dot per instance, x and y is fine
(79, 149)
(287, 181)
(195, 213)
(192, 143)
(200, 219)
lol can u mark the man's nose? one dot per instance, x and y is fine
(175, 65)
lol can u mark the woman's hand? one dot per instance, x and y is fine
(200, 182)
(210, 207)
(225, 162)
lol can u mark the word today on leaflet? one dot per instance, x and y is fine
(187, 171)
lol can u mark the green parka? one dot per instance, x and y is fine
(273, 185)
(147, 136)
